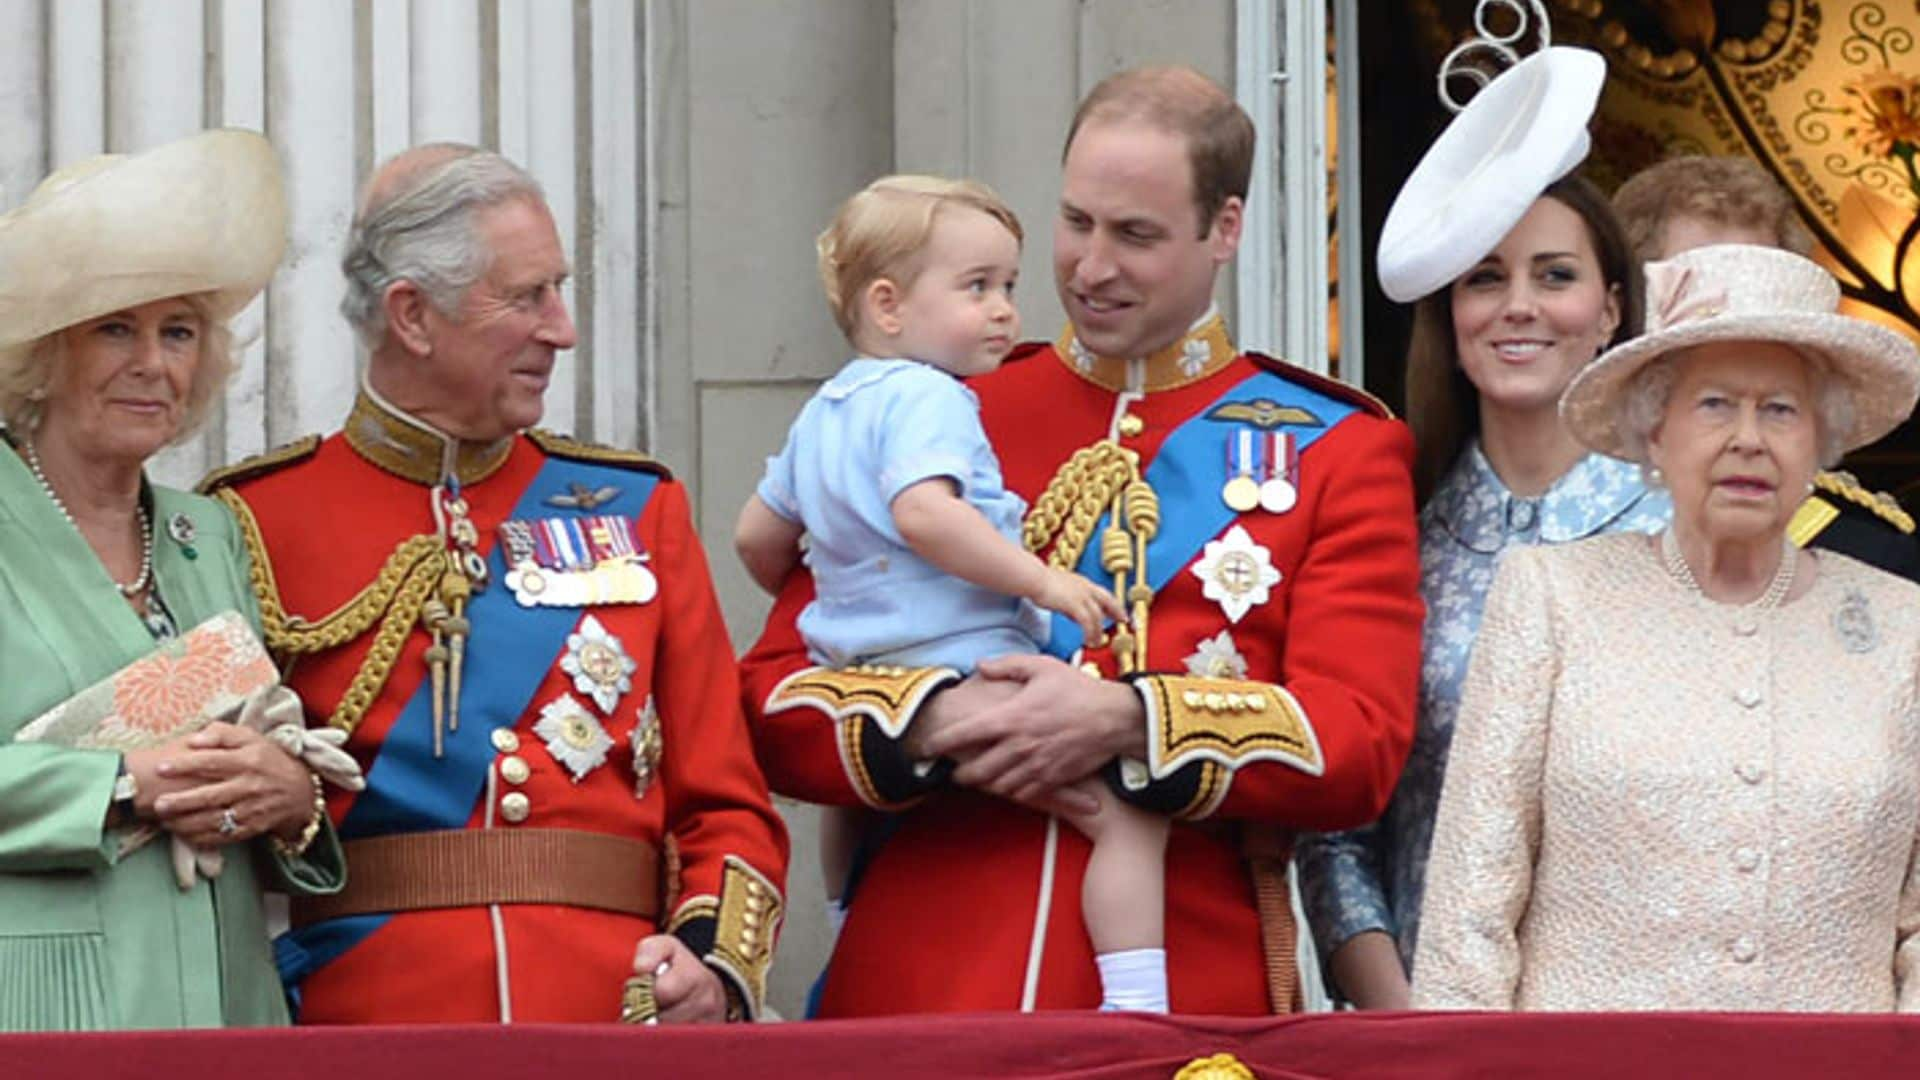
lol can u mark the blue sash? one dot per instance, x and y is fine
(508, 655)
(1187, 475)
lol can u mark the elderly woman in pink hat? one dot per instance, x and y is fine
(1686, 773)
(117, 278)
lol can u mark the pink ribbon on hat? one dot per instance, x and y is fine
(1676, 295)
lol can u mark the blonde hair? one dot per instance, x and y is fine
(27, 372)
(882, 232)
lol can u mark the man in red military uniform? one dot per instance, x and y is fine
(1258, 521)
(520, 635)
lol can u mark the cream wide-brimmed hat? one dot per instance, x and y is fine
(1743, 292)
(1520, 133)
(204, 214)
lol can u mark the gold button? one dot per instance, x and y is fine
(1257, 702)
(514, 806)
(1191, 698)
(505, 741)
(1131, 425)
(514, 769)
(1215, 701)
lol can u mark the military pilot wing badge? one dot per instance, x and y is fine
(1263, 413)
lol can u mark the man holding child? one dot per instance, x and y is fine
(1255, 521)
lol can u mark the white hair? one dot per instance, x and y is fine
(424, 232)
(1644, 404)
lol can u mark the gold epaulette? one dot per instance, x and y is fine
(259, 464)
(1882, 505)
(566, 446)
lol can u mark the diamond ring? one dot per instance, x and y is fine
(229, 824)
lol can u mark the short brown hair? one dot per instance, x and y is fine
(1728, 190)
(1442, 406)
(882, 232)
(1218, 131)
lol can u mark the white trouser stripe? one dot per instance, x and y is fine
(1041, 911)
(504, 989)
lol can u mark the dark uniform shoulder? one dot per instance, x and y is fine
(1843, 516)
(1333, 388)
(1843, 485)
(259, 464)
(572, 449)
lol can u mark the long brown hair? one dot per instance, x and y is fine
(1442, 406)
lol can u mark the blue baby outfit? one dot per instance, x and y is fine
(875, 429)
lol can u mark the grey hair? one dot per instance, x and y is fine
(423, 232)
(1644, 403)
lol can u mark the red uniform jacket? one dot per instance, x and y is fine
(324, 522)
(973, 902)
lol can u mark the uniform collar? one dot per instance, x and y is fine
(1203, 350)
(1478, 510)
(412, 449)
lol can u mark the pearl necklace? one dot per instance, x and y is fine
(1776, 589)
(139, 584)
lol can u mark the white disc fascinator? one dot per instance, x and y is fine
(206, 214)
(1522, 131)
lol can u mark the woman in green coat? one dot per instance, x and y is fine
(117, 278)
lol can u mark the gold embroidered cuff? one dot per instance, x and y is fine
(747, 919)
(888, 698)
(1229, 722)
(886, 695)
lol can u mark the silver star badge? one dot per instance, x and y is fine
(1217, 658)
(647, 747)
(599, 664)
(1237, 573)
(574, 738)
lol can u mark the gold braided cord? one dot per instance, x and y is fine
(393, 599)
(387, 643)
(1103, 478)
(1066, 511)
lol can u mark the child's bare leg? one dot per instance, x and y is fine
(1123, 896)
(1123, 900)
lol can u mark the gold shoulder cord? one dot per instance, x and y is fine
(1104, 477)
(395, 599)
(1882, 505)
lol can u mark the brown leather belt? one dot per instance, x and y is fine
(475, 867)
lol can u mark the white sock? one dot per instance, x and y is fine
(836, 915)
(1133, 980)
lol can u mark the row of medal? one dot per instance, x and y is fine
(577, 561)
(1263, 472)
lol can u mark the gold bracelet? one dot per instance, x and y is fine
(295, 848)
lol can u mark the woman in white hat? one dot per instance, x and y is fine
(1687, 769)
(117, 278)
(1521, 277)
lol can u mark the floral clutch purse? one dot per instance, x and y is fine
(203, 675)
(218, 670)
